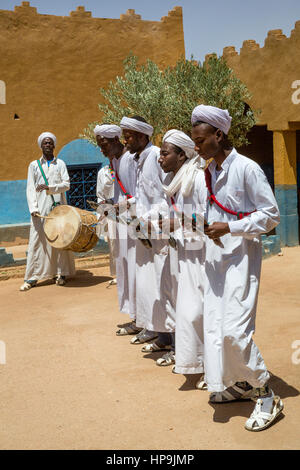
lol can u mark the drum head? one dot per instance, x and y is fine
(62, 228)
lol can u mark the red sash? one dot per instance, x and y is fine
(212, 198)
(128, 196)
(173, 204)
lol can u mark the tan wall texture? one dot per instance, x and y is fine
(270, 73)
(54, 66)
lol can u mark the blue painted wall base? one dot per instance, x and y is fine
(288, 229)
(13, 206)
(5, 258)
(270, 245)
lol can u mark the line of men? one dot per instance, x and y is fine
(187, 248)
(188, 253)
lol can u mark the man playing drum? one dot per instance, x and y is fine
(47, 182)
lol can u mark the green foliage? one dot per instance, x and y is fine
(166, 98)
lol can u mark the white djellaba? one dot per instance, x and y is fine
(155, 300)
(105, 191)
(232, 361)
(188, 192)
(231, 290)
(125, 250)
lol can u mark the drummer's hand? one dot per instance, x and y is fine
(42, 187)
(35, 214)
(216, 229)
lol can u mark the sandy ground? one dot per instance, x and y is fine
(70, 383)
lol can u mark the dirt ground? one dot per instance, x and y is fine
(70, 383)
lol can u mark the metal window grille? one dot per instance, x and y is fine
(83, 184)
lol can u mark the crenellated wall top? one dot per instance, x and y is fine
(274, 37)
(271, 74)
(25, 9)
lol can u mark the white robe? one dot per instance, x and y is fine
(155, 295)
(44, 261)
(125, 246)
(233, 274)
(105, 190)
(189, 348)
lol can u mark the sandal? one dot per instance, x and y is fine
(260, 420)
(60, 280)
(201, 384)
(28, 285)
(234, 393)
(128, 329)
(167, 359)
(153, 347)
(143, 336)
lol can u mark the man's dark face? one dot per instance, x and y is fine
(207, 140)
(169, 159)
(47, 147)
(107, 146)
(133, 140)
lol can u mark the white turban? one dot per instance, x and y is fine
(181, 140)
(185, 176)
(137, 126)
(108, 130)
(43, 136)
(216, 117)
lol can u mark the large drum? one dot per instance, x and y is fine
(69, 228)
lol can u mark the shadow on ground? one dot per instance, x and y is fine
(225, 411)
(282, 388)
(86, 279)
(190, 382)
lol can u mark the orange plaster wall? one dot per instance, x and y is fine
(53, 68)
(269, 73)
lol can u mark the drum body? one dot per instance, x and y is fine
(69, 228)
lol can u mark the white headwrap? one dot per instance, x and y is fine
(185, 176)
(108, 130)
(216, 117)
(43, 136)
(135, 125)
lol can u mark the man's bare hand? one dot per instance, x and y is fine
(35, 214)
(216, 230)
(120, 208)
(167, 225)
(42, 187)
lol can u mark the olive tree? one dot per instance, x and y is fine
(166, 97)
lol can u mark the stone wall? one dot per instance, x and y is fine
(52, 68)
(272, 75)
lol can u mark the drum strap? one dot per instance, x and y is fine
(46, 181)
